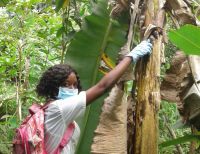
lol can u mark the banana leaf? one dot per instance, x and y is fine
(180, 140)
(187, 39)
(99, 34)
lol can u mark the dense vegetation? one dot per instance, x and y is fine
(35, 34)
(32, 38)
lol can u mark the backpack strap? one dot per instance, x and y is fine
(67, 135)
(65, 140)
(34, 108)
(37, 107)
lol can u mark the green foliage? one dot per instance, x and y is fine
(170, 49)
(32, 31)
(180, 140)
(28, 45)
(187, 39)
(60, 4)
(29, 39)
(99, 34)
(3, 3)
(168, 115)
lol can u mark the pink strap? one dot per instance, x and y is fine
(67, 136)
(34, 108)
(23, 133)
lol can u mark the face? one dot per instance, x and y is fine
(71, 82)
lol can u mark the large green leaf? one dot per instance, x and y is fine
(187, 39)
(180, 140)
(98, 34)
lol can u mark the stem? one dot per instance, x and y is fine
(105, 39)
(193, 144)
(133, 17)
(174, 20)
(47, 55)
(65, 25)
(173, 135)
(18, 82)
(76, 14)
(18, 101)
(26, 78)
(102, 48)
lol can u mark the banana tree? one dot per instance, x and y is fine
(114, 132)
(87, 40)
(181, 13)
(148, 93)
(98, 41)
(102, 35)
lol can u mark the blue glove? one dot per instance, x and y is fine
(140, 50)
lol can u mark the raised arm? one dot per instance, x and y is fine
(112, 77)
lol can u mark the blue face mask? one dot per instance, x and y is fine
(66, 92)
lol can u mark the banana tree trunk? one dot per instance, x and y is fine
(148, 87)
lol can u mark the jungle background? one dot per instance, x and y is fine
(90, 35)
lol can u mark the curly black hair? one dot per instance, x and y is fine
(53, 78)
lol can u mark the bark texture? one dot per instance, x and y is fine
(148, 87)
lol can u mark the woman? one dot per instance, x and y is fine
(61, 85)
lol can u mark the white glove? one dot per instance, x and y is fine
(144, 48)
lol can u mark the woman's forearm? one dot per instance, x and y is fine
(108, 80)
(113, 76)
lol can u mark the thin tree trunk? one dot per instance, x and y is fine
(173, 135)
(18, 83)
(193, 144)
(148, 87)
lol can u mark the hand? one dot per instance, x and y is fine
(151, 32)
(144, 48)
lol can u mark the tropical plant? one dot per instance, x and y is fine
(168, 117)
(100, 35)
(28, 45)
(187, 39)
(74, 58)
(34, 36)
